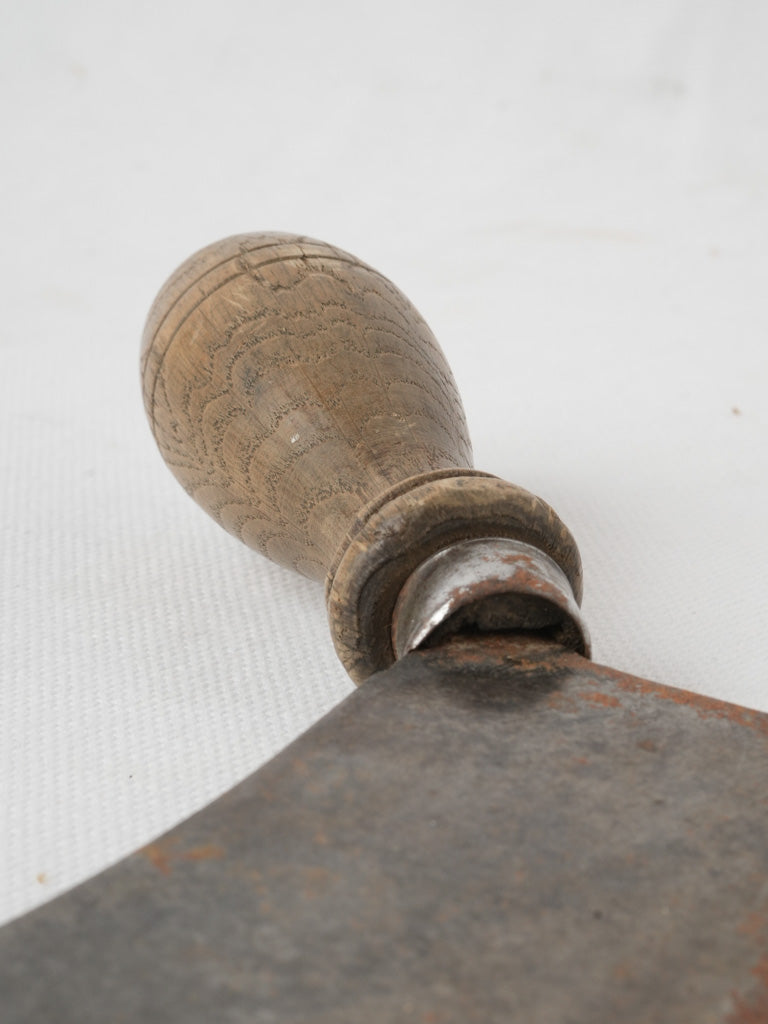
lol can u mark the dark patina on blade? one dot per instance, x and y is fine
(495, 830)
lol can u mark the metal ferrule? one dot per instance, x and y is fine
(487, 585)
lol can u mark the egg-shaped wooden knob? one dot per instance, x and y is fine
(299, 397)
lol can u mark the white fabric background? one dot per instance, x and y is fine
(575, 195)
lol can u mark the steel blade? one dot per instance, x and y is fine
(495, 830)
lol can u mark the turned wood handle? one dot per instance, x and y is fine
(299, 397)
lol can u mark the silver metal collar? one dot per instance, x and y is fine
(487, 585)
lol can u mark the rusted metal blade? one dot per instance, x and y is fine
(491, 831)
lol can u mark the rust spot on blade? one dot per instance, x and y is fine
(518, 650)
(605, 699)
(650, 745)
(210, 851)
(157, 857)
(754, 925)
(754, 1009)
(164, 854)
(559, 701)
(706, 707)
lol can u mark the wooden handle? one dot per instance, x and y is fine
(299, 397)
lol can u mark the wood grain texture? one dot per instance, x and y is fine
(288, 385)
(300, 398)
